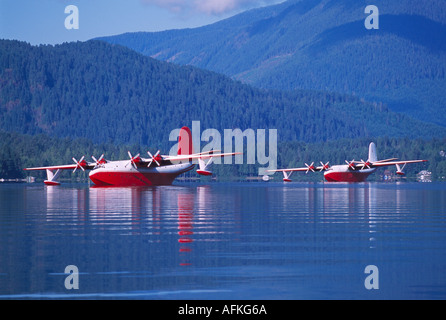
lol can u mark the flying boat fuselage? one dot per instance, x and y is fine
(342, 173)
(120, 173)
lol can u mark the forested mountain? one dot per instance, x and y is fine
(109, 93)
(322, 45)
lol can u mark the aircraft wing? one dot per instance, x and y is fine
(81, 164)
(308, 168)
(390, 163)
(203, 166)
(204, 155)
(356, 165)
(379, 161)
(384, 163)
(64, 167)
(288, 170)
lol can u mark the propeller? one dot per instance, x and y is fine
(133, 160)
(79, 164)
(100, 161)
(365, 164)
(325, 166)
(351, 164)
(310, 167)
(154, 158)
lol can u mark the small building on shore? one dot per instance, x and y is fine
(424, 176)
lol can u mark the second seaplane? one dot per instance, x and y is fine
(352, 171)
(138, 171)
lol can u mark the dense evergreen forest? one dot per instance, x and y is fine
(111, 94)
(89, 98)
(322, 45)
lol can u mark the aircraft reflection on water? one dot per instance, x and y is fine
(209, 213)
(154, 211)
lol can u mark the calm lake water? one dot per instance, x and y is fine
(224, 241)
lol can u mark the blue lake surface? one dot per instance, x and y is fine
(219, 241)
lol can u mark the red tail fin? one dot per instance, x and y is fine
(185, 141)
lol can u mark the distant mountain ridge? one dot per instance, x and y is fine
(111, 94)
(322, 45)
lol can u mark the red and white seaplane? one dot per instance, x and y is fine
(138, 171)
(352, 171)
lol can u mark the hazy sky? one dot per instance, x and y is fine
(43, 21)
